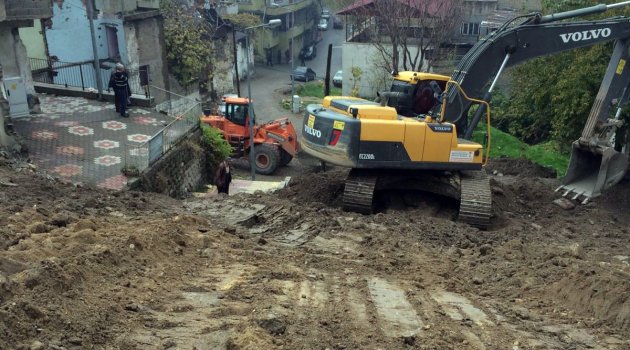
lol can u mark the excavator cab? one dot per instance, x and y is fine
(415, 94)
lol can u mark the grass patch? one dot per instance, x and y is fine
(316, 89)
(506, 145)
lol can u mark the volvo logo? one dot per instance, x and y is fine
(313, 132)
(586, 35)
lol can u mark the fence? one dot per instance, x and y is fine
(81, 75)
(140, 157)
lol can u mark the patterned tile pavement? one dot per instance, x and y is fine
(86, 141)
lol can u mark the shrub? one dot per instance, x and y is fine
(218, 148)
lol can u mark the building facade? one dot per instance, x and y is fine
(128, 31)
(477, 18)
(298, 27)
(16, 81)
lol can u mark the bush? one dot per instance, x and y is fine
(218, 148)
(316, 89)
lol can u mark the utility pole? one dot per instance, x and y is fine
(97, 66)
(292, 77)
(238, 81)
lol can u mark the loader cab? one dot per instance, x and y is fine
(236, 111)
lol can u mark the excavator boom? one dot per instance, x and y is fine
(595, 165)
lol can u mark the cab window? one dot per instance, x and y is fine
(236, 114)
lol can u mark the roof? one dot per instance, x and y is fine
(433, 7)
(497, 17)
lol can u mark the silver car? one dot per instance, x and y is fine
(338, 78)
(323, 24)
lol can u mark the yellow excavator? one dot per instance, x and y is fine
(418, 136)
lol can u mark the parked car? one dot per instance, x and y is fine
(325, 14)
(308, 52)
(338, 78)
(323, 24)
(337, 23)
(303, 74)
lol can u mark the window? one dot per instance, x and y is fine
(237, 114)
(470, 28)
(111, 33)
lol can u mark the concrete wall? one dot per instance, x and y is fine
(241, 57)
(144, 46)
(3, 11)
(27, 9)
(13, 56)
(69, 36)
(526, 5)
(114, 6)
(222, 81)
(373, 78)
(33, 39)
(181, 171)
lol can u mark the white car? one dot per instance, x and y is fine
(325, 14)
(323, 24)
(338, 78)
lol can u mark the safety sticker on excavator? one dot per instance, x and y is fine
(338, 125)
(461, 156)
(620, 66)
(311, 121)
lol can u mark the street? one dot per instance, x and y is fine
(269, 85)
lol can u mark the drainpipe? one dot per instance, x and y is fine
(97, 66)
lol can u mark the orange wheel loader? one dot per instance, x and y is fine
(275, 142)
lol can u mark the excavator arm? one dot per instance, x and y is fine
(595, 165)
(512, 44)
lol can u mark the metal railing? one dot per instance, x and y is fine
(140, 157)
(82, 75)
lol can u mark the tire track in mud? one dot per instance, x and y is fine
(325, 286)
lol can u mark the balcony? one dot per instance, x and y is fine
(288, 6)
(293, 32)
(270, 38)
(149, 4)
(16, 10)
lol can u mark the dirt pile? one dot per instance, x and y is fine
(84, 268)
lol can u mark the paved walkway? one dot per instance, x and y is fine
(86, 141)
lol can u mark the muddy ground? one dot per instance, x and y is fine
(82, 268)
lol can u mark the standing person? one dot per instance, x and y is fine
(119, 81)
(269, 56)
(223, 178)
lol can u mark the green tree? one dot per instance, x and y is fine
(187, 51)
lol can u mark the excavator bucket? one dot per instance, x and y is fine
(592, 171)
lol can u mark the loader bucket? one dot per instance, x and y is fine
(592, 171)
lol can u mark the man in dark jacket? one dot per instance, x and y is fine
(119, 81)
(223, 178)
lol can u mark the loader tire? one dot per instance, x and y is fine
(267, 158)
(285, 157)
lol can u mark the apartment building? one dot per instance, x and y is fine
(298, 27)
(60, 47)
(16, 81)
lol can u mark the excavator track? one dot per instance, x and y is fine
(358, 195)
(475, 206)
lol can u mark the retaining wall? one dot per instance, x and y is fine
(182, 170)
